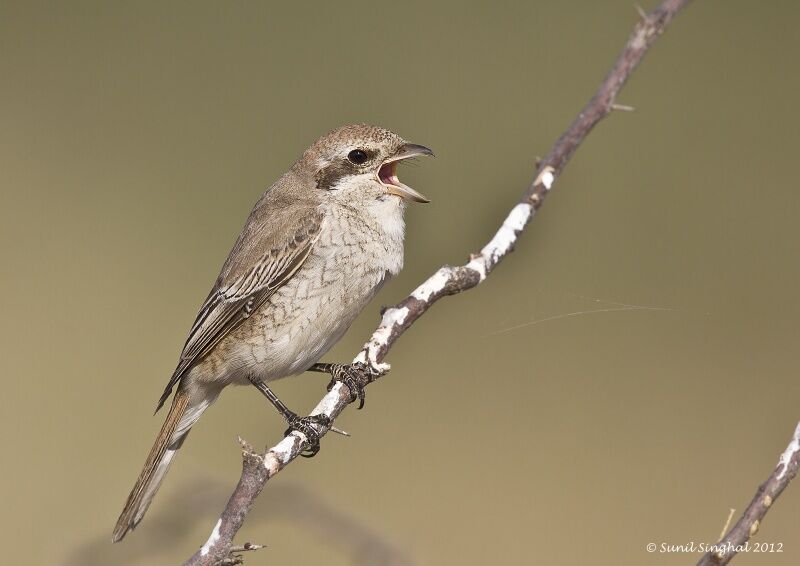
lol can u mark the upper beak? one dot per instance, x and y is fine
(387, 174)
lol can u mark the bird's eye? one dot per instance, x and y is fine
(357, 156)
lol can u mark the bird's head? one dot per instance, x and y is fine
(360, 162)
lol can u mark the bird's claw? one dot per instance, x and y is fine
(355, 376)
(308, 427)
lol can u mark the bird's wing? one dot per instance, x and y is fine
(270, 249)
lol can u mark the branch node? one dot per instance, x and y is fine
(244, 444)
(754, 527)
(247, 547)
(248, 451)
(546, 177)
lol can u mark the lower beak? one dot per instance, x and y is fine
(387, 174)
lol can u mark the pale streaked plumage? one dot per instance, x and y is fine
(316, 248)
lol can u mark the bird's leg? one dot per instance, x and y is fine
(354, 376)
(306, 425)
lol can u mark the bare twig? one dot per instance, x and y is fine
(727, 524)
(750, 521)
(448, 280)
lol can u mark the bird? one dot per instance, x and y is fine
(318, 245)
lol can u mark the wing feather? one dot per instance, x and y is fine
(253, 271)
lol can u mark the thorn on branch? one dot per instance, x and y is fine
(235, 555)
(339, 431)
(247, 546)
(622, 107)
(727, 524)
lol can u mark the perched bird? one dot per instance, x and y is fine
(318, 245)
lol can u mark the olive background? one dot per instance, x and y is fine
(626, 376)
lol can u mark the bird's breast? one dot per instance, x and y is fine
(367, 236)
(350, 261)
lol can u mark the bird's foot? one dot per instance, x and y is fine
(355, 376)
(308, 426)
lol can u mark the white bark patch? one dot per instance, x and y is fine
(434, 284)
(369, 354)
(478, 264)
(788, 454)
(329, 402)
(548, 178)
(212, 540)
(507, 234)
(282, 452)
(284, 449)
(271, 463)
(361, 358)
(503, 240)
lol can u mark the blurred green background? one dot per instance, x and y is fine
(518, 426)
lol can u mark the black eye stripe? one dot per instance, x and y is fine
(330, 175)
(327, 177)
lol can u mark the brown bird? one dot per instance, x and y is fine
(318, 245)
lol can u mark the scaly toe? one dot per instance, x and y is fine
(307, 426)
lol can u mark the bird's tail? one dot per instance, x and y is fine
(185, 410)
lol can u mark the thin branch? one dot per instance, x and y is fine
(747, 525)
(257, 469)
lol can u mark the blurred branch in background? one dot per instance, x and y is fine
(340, 532)
(259, 468)
(767, 493)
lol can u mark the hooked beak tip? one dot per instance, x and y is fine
(413, 150)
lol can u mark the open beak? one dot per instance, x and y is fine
(387, 174)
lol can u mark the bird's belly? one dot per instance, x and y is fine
(308, 314)
(299, 324)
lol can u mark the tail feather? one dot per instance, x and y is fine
(182, 415)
